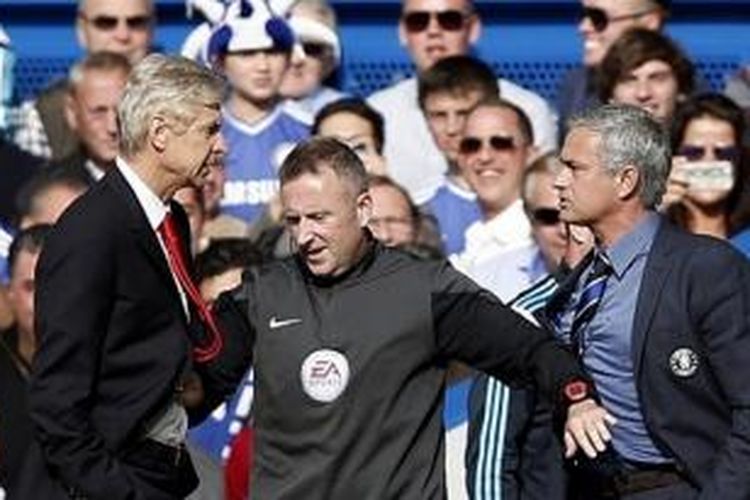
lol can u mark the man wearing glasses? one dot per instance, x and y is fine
(601, 23)
(493, 154)
(122, 26)
(432, 30)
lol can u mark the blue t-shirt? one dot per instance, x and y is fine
(455, 210)
(255, 153)
(741, 242)
(215, 434)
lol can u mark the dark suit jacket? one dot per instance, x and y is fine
(114, 343)
(695, 295)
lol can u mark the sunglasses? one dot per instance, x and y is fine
(600, 19)
(545, 216)
(417, 21)
(696, 153)
(108, 23)
(312, 49)
(471, 145)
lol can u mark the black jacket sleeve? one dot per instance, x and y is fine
(472, 325)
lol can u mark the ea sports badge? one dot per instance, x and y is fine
(683, 362)
(324, 375)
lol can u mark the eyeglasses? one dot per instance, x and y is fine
(109, 23)
(695, 153)
(472, 145)
(545, 216)
(313, 49)
(600, 19)
(417, 21)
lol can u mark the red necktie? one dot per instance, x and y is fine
(176, 251)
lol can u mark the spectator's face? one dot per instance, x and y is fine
(435, 29)
(325, 219)
(651, 86)
(121, 26)
(392, 221)
(306, 73)
(49, 205)
(190, 201)
(588, 192)
(213, 190)
(357, 133)
(708, 139)
(620, 16)
(91, 111)
(542, 206)
(255, 75)
(493, 156)
(21, 290)
(446, 117)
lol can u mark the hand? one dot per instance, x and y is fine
(677, 184)
(587, 427)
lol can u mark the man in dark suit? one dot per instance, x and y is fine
(114, 298)
(659, 318)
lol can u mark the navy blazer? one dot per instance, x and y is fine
(691, 357)
(114, 341)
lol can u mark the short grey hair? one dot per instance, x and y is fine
(630, 136)
(105, 62)
(167, 86)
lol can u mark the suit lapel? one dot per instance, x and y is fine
(141, 230)
(652, 283)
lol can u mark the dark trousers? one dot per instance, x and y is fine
(161, 472)
(610, 477)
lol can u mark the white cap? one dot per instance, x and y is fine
(249, 26)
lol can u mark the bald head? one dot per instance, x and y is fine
(121, 26)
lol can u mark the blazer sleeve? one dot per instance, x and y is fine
(75, 270)
(723, 316)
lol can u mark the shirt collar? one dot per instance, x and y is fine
(151, 204)
(96, 172)
(510, 225)
(634, 244)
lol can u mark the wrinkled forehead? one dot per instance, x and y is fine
(436, 5)
(617, 7)
(116, 7)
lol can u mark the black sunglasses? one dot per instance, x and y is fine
(471, 145)
(545, 216)
(313, 49)
(417, 21)
(696, 153)
(600, 19)
(108, 23)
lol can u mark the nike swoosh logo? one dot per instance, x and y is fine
(274, 323)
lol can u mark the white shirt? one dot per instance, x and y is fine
(414, 161)
(508, 230)
(96, 172)
(170, 427)
(509, 273)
